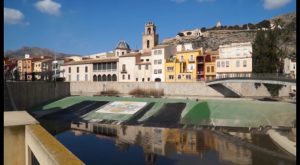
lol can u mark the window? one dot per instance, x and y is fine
(238, 63)
(114, 65)
(142, 60)
(77, 69)
(148, 43)
(155, 71)
(137, 79)
(146, 67)
(109, 66)
(170, 69)
(86, 77)
(192, 58)
(188, 77)
(123, 67)
(159, 71)
(208, 69)
(147, 59)
(86, 69)
(179, 77)
(77, 78)
(181, 58)
(171, 77)
(245, 63)
(227, 63)
(94, 78)
(69, 69)
(143, 79)
(129, 77)
(122, 53)
(157, 52)
(69, 77)
(223, 64)
(218, 64)
(212, 69)
(159, 61)
(123, 76)
(148, 78)
(140, 67)
(155, 61)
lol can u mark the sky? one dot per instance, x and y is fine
(93, 26)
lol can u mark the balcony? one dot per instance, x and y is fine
(181, 60)
(200, 62)
(124, 71)
(191, 60)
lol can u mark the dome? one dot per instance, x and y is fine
(122, 45)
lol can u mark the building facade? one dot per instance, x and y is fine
(183, 67)
(234, 60)
(290, 66)
(150, 38)
(160, 54)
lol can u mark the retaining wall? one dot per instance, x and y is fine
(195, 89)
(28, 94)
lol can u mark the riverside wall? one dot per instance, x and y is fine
(28, 94)
(194, 89)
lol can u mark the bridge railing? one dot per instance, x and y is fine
(257, 76)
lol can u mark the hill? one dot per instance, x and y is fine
(34, 52)
(213, 37)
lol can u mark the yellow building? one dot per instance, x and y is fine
(182, 67)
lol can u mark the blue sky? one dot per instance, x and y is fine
(92, 26)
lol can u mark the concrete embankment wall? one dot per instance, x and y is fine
(29, 94)
(196, 89)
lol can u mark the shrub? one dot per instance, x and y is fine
(110, 92)
(137, 92)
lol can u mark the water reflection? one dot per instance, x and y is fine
(184, 146)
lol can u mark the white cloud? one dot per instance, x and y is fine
(200, 1)
(48, 7)
(273, 4)
(13, 16)
(178, 1)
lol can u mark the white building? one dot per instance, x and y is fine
(126, 67)
(159, 55)
(142, 71)
(234, 60)
(290, 66)
(76, 71)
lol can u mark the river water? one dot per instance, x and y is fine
(96, 143)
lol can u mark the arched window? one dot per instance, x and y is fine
(148, 43)
(95, 78)
(157, 80)
(99, 77)
(109, 77)
(104, 78)
(149, 30)
(114, 77)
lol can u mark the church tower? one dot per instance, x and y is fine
(150, 38)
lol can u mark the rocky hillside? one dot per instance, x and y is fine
(213, 38)
(34, 52)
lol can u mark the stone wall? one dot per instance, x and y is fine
(196, 89)
(29, 94)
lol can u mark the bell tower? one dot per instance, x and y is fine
(150, 38)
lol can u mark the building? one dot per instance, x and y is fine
(26, 67)
(56, 67)
(182, 67)
(142, 70)
(234, 60)
(43, 69)
(150, 38)
(290, 66)
(105, 69)
(160, 54)
(122, 48)
(209, 65)
(91, 70)
(127, 67)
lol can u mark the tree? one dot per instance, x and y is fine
(245, 26)
(268, 54)
(264, 24)
(251, 26)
